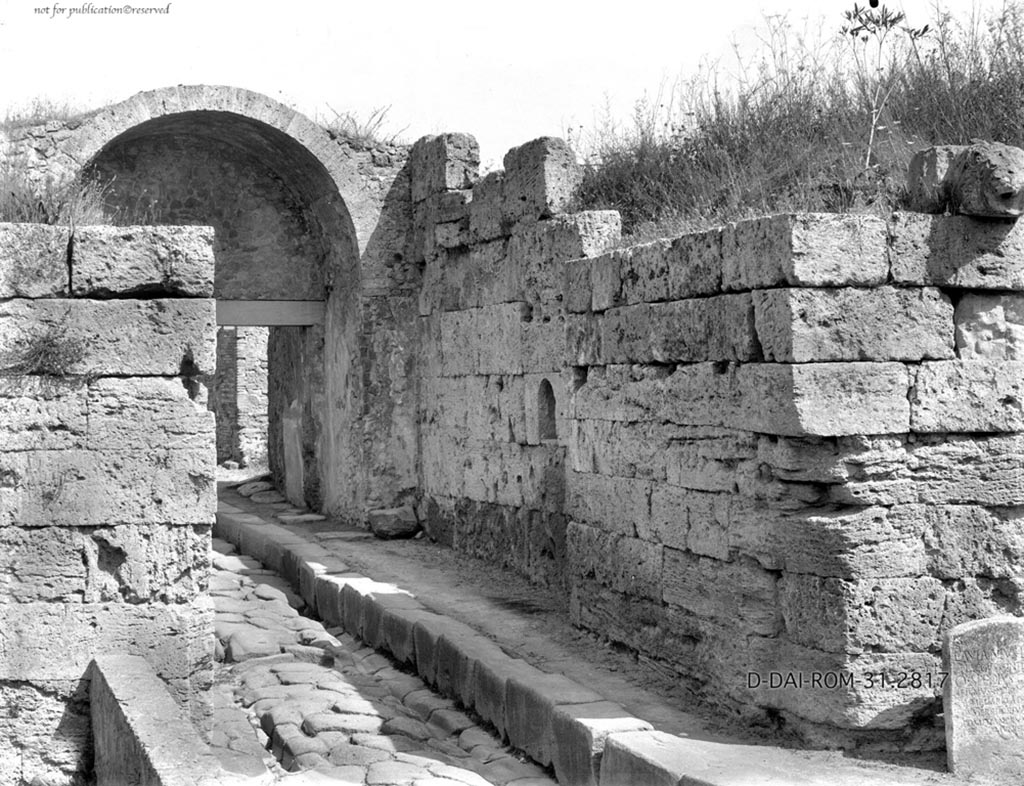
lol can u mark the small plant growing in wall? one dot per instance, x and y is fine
(50, 353)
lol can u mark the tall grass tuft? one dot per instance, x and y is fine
(809, 121)
(50, 200)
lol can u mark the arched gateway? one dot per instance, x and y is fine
(293, 210)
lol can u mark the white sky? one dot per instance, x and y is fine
(505, 72)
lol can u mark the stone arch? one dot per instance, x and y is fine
(310, 187)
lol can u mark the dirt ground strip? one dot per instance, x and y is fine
(294, 697)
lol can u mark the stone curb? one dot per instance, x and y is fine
(140, 731)
(588, 740)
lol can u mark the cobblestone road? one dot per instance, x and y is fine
(292, 697)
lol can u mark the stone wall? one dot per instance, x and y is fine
(107, 492)
(790, 445)
(238, 395)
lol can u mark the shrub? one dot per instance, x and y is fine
(50, 200)
(810, 123)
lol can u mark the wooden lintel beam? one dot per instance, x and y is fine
(270, 312)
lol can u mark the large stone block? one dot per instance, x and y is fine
(619, 505)
(444, 162)
(957, 251)
(72, 488)
(849, 543)
(109, 337)
(802, 325)
(580, 731)
(624, 563)
(697, 521)
(990, 326)
(684, 267)
(485, 211)
(530, 705)
(825, 399)
(877, 615)
(541, 177)
(805, 249)
(142, 260)
(147, 412)
(176, 639)
(968, 396)
(48, 731)
(540, 250)
(39, 413)
(33, 260)
(739, 593)
(715, 328)
(131, 564)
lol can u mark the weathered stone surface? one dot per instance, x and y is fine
(72, 488)
(684, 267)
(927, 184)
(801, 325)
(741, 592)
(167, 261)
(443, 162)
(146, 413)
(541, 177)
(33, 260)
(175, 638)
(485, 211)
(990, 326)
(48, 726)
(714, 328)
(880, 615)
(827, 399)
(968, 396)
(983, 179)
(112, 337)
(987, 179)
(804, 249)
(626, 564)
(388, 523)
(38, 413)
(957, 251)
(530, 706)
(139, 729)
(580, 732)
(983, 698)
(131, 564)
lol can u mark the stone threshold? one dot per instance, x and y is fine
(560, 723)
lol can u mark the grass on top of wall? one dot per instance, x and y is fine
(824, 121)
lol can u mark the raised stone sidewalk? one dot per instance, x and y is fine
(587, 725)
(292, 697)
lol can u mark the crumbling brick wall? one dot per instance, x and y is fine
(786, 449)
(107, 492)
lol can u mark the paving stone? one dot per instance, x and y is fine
(449, 721)
(346, 753)
(508, 768)
(457, 774)
(241, 763)
(474, 736)
(337, 721)
(424, 702)
(344, 775)
(394, 773)
(248, 489)
(394, 743)
(308, 654)
(410, 727)
(246, 644)
(307, 761)
(448, 748)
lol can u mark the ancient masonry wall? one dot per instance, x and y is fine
(238, 395)
(107, 491)
(791, 445)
